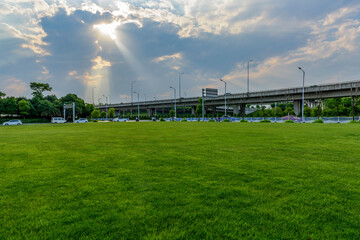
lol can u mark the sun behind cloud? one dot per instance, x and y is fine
(108, 29)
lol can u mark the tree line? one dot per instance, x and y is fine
(40, 106)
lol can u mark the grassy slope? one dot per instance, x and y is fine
(180, 181)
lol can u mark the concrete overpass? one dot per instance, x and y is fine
(239, 101)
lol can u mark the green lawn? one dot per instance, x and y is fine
(180, 181)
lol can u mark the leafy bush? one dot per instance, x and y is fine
(184, 120)
(289, 121)
(318, 121)
(162, 120)
(226, 120)
(211, 120)
(244, 120)
(265, 121)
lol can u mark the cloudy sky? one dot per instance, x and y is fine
(76, 45)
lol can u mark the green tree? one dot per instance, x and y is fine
(198, 110)
(2, 95)
(277, 112)
(172, 113)
(89, 108)
(39, 88)
(103, 114)
(307, 111)
(24, 107)
(10, 106)
(47, 109)
(96, 113)
(79, 104)
(111, 112)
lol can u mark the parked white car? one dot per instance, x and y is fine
(119, 119)
(58, 120)
(13, 122)
(81, 120)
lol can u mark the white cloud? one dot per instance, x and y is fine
(90, 80)
(168, 57)
(33, 38)
(100, 63)
(331, 38)
(14, 87)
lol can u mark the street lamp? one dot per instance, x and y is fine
(138, 105)
(180, 84)
(174, 99)
(248, 74)
(225, 94)
(303, 93)
(132, 86)
(106, 104)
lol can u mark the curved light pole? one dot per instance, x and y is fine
(174, 99)
(248, 76)
(303, 93)
(138, 105)
(225, 94)
(180, 84)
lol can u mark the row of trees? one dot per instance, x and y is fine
(40, 106)
(331, 107)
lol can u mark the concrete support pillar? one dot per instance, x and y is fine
(236, 109)
(297, 106)
(242, 110)
(193, 111)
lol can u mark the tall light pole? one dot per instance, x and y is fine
(93, 95)
(248, 76)
(225, 94)
(106, 104)
(132, 90)
(174, 99)
(138, 105)
(303, 96)
(180, 84)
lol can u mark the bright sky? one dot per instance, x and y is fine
(79, 46)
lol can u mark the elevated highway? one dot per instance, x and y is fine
(237, 102)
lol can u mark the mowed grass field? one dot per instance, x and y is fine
(180, 181)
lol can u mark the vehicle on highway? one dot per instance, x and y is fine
(81, 120)
(119, 120)
(13, 122)
(58, 120)
(291, 117)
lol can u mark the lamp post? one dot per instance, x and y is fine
(248, 76)
(180, 84)
(174, 99)
(106, 104)
(93, 95)
(132, 86)
(303, 96)
(138, 105)
(225, 94)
